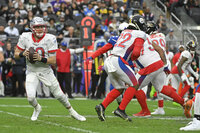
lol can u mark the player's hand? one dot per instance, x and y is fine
(88, 60)
(100, 68)
(26, 53)
(183, 77)
(196, 76)
(36, 57)
(166, 68)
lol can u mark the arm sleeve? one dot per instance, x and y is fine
(53, 46)
(137, 48)
(102, 50)
(76, 51)
(189, 68)
(20, 44)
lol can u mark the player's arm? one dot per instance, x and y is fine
(1, 56)
(102, 50)
(20, 53)
(180, 64)
(76, 51)
(137, 48)
(160, 52)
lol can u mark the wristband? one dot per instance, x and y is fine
(21, 54)
(44, 60)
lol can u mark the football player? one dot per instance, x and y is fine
(128, 46)
(45, 46)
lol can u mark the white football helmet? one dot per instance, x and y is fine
(123, 26)
(38, 26)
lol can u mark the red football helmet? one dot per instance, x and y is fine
(38, 26)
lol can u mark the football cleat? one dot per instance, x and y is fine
(36, 112)
(192, 126)
(188, 108)
(75, 115)
(100, 112)
(122, 114)
(143, 114)
(158, 111)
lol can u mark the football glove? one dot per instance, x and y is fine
(100, 68)
(88, 60)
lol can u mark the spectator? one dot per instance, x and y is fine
(29, 17)
(18, 70)
(45, 16)
(102, 11)
(104, 27)
(148, 15)
(98, 31)
(116, 11)
(72, 33)
(17, 19)
(44, 4)
(23, 12)
(160, 20)
(63, 59)
(25, 28)
(172, 40)
(52, 26)
(11, 30)
(163, 29)
(77, 73)
(3, 34)
(68, 15)
(61, 10)
(89, 11)
(33, 6)
(7, 65)
(56, 5)
(75, 9)
(114, 24)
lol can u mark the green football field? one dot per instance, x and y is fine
(15, 116)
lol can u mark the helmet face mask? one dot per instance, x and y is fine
(151, 27)
(138, 22)
(191, 46)
(38, 27)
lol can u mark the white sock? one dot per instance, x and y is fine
(197, 104)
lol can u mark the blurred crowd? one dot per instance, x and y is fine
(63, 19)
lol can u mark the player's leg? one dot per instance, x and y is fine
(31, 87)
(158, 82)
(59, 95)
(1, 88)
(195, 124)
(127, 75)
(186, 87)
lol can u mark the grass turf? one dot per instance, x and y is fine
(15, 116)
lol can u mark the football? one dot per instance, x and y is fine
(31, 53)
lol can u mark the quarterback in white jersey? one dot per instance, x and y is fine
(121, 75)
(45, 46)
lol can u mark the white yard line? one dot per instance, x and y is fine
(112, 116)
(19, 106)
(51, 123)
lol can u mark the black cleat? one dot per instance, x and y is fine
(100, 112)
(122, 114)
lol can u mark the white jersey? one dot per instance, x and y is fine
(189, 57)
(125, 43)
(170, 55)
(45, 46)
(148, 55)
